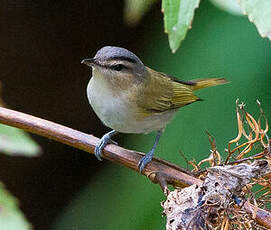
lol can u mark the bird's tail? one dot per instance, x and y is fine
(207, 82)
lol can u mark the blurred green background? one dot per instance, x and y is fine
(219, 45)
(66, 188)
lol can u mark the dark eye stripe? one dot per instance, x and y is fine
(118, 67)
(123, 58)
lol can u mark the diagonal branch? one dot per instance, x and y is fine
(159, 171)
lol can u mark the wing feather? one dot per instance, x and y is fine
(162, 93)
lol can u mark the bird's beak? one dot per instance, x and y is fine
(89, 61)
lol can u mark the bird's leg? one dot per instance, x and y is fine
(106, 139)
(148, 157)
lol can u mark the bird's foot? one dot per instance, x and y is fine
(106, 139)
(144, 161)
(148, 157)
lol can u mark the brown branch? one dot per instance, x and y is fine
(159, 171)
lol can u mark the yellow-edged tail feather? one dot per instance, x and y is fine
(207, 82)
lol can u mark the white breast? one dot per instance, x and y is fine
(118, 113)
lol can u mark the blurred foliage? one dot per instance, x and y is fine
(134, 10)
(220, 45)
(116, 199)
(231, 6)
(11, 218)
(258, 12)
(16, 142)
(178, 16)
(13, 142)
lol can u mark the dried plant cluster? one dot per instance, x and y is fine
(223, 200)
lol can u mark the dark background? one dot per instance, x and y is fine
(42, 44)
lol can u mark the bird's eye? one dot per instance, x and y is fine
(118, 67)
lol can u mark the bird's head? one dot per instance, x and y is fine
(117, 65)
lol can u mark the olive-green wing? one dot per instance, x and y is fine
(162, 93)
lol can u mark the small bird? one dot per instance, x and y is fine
(130, 97)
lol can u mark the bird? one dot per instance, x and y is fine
(129, 97)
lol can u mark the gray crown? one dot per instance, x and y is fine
(118, 53)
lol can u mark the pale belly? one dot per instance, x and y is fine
(119, 114)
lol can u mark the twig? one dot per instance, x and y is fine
(168, 172)
(159, 171)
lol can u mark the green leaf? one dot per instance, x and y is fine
(14, 142)
(258, 12)
(178, 16)
(231, 6)
(134, 10)
(11, 217)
